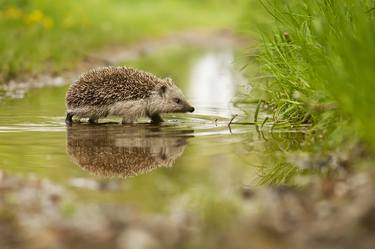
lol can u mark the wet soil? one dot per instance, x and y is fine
(324, 213)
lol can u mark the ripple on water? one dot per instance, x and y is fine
(200, 125)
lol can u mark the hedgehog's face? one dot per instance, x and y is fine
(173, 100)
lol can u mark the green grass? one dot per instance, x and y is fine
(42, 35)
(317, 59)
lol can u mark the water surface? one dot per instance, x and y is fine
(192, 158)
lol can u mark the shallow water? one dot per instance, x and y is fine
(192, 158)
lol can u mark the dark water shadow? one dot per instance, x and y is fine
(122, 151)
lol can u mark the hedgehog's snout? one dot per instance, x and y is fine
(187, 108)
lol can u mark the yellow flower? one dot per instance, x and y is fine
(13, 12)
(34, 17)
(47, 22)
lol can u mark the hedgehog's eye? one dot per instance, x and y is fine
(177, 100)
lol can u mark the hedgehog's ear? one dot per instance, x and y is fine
(162, 90)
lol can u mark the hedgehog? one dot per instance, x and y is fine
(123, 91)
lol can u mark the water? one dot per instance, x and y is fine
(192, 158)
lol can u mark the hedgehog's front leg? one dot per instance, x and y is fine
(155, 118)
(69, 118)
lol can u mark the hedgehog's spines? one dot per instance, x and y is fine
(107, 85)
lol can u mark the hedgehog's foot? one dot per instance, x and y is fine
(69, 118)
(156, 119)
(93, 120)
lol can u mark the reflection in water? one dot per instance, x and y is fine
(124, 150)
(213, 81)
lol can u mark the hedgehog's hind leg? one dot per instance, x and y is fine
(69, 118)
(156, 118)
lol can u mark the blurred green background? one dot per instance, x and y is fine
(43, 35)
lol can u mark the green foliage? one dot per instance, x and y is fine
(42, 35)
(319, 61)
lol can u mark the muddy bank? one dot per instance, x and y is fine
(324, 213)
(114, 55)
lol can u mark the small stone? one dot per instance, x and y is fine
(247, 193)
(136, 238)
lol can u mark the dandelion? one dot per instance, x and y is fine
(47, 22)
(34, 17)
(38, 17)
(13, 12)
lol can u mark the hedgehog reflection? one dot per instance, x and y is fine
(124, 151)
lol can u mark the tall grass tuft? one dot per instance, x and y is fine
(319, 61)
